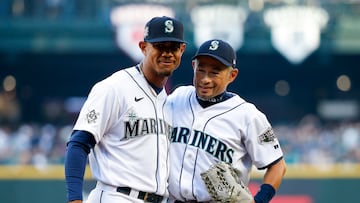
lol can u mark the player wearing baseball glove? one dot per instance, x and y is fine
(211, 125)
(224, 185)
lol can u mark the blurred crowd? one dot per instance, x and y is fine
(313, 142)
(308, 141)
(35, 144)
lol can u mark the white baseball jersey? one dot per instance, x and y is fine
(132, 132)
(232, 131)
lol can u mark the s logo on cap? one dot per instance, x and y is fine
(169, 27)
(146, 32)
(214, 45)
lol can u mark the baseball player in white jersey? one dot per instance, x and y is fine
(124, 128)
(213, 125)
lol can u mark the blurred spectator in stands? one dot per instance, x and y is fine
(351, 142)
(5, 145)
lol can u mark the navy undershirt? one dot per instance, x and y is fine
(78, 148)
(217, 99)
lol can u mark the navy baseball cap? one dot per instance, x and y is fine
(164, 29)
(219, 50)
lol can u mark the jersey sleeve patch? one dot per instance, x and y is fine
(92, 116)
(267, 137)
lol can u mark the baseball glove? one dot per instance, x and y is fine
(224, 185)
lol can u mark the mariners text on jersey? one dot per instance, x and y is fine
(204, 141)
(140, 127)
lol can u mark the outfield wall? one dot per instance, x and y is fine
(302, 184)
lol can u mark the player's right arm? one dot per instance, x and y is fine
(271, 182)
(275, 173)
(76, 156)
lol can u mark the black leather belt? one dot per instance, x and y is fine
(147, 197)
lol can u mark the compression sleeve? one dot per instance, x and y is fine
(76, 155)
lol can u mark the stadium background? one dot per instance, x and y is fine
(53, 51)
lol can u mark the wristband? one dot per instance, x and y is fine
(265, 194)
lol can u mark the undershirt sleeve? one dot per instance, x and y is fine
(78, 148)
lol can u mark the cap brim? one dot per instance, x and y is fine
(165, 39)
(223, 61)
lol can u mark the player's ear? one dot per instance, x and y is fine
(142, 46)
(182, 48)
(233, 74)
(193, 63)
